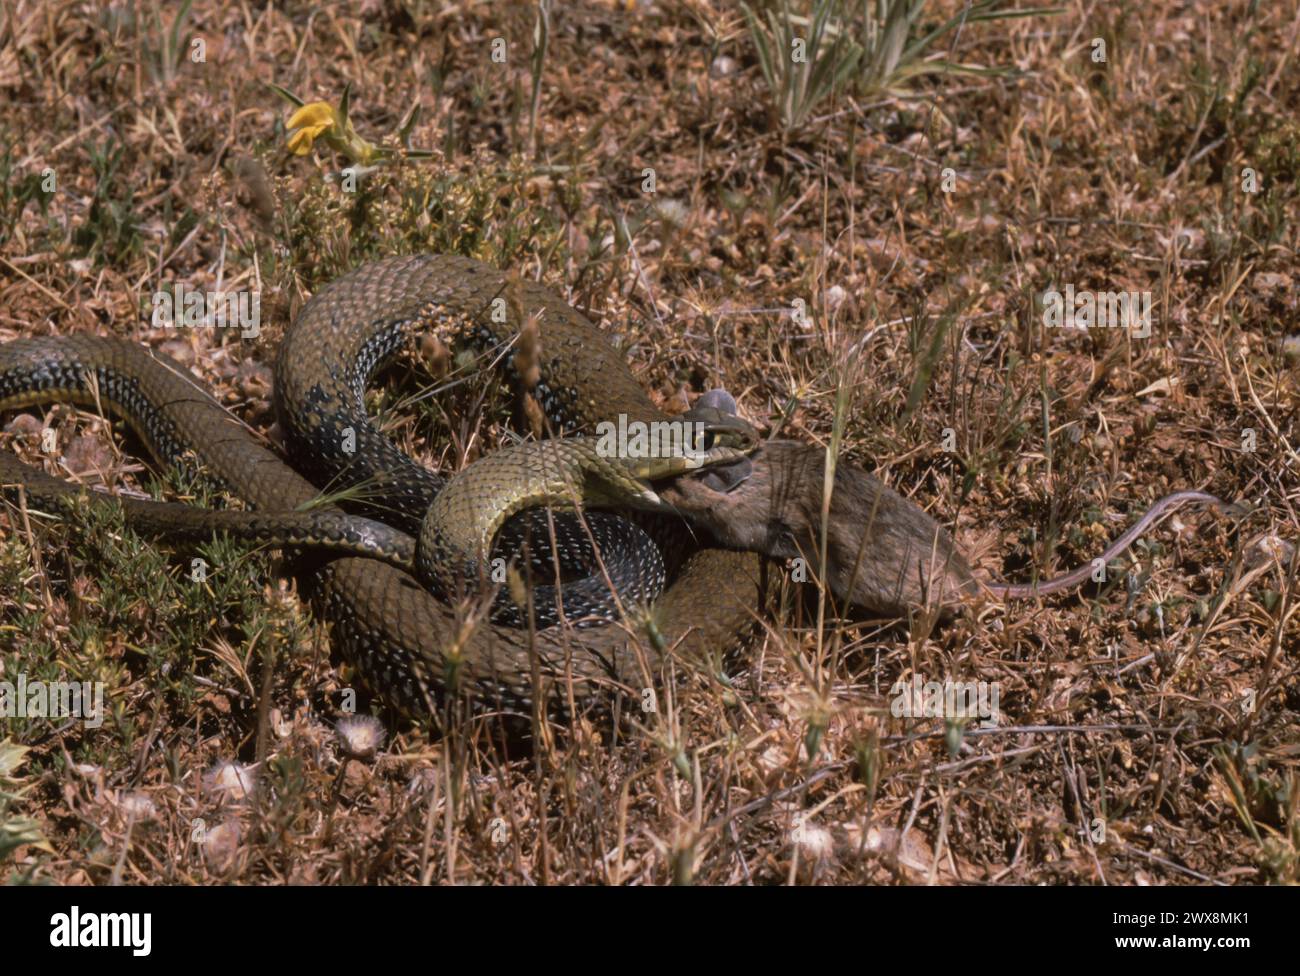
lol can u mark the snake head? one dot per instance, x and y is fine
(716, 410)
(708, 436)
(722, 438)
(728, 440)
(725, 431)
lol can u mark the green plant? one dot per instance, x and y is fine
(111, 231)
(889, 60)
(14, 830)
(159, 48)
(806, 58)
(801, 71)
(17, 189)
(164, 60)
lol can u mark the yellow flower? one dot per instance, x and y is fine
(311, 121)
(321, 120)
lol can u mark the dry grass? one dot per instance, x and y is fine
(1121, 707)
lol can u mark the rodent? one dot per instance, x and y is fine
(883, 552)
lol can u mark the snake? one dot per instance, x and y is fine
(414, 647)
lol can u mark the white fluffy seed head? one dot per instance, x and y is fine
(231, 780)
(360, 736)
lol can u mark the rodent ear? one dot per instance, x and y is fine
(718, 399)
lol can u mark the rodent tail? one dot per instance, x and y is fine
(1027, 591)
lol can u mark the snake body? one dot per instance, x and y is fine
(407, 644)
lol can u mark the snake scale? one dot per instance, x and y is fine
(407, 644)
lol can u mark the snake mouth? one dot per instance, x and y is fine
(648, 496)
(737, 436)
(727, 477)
